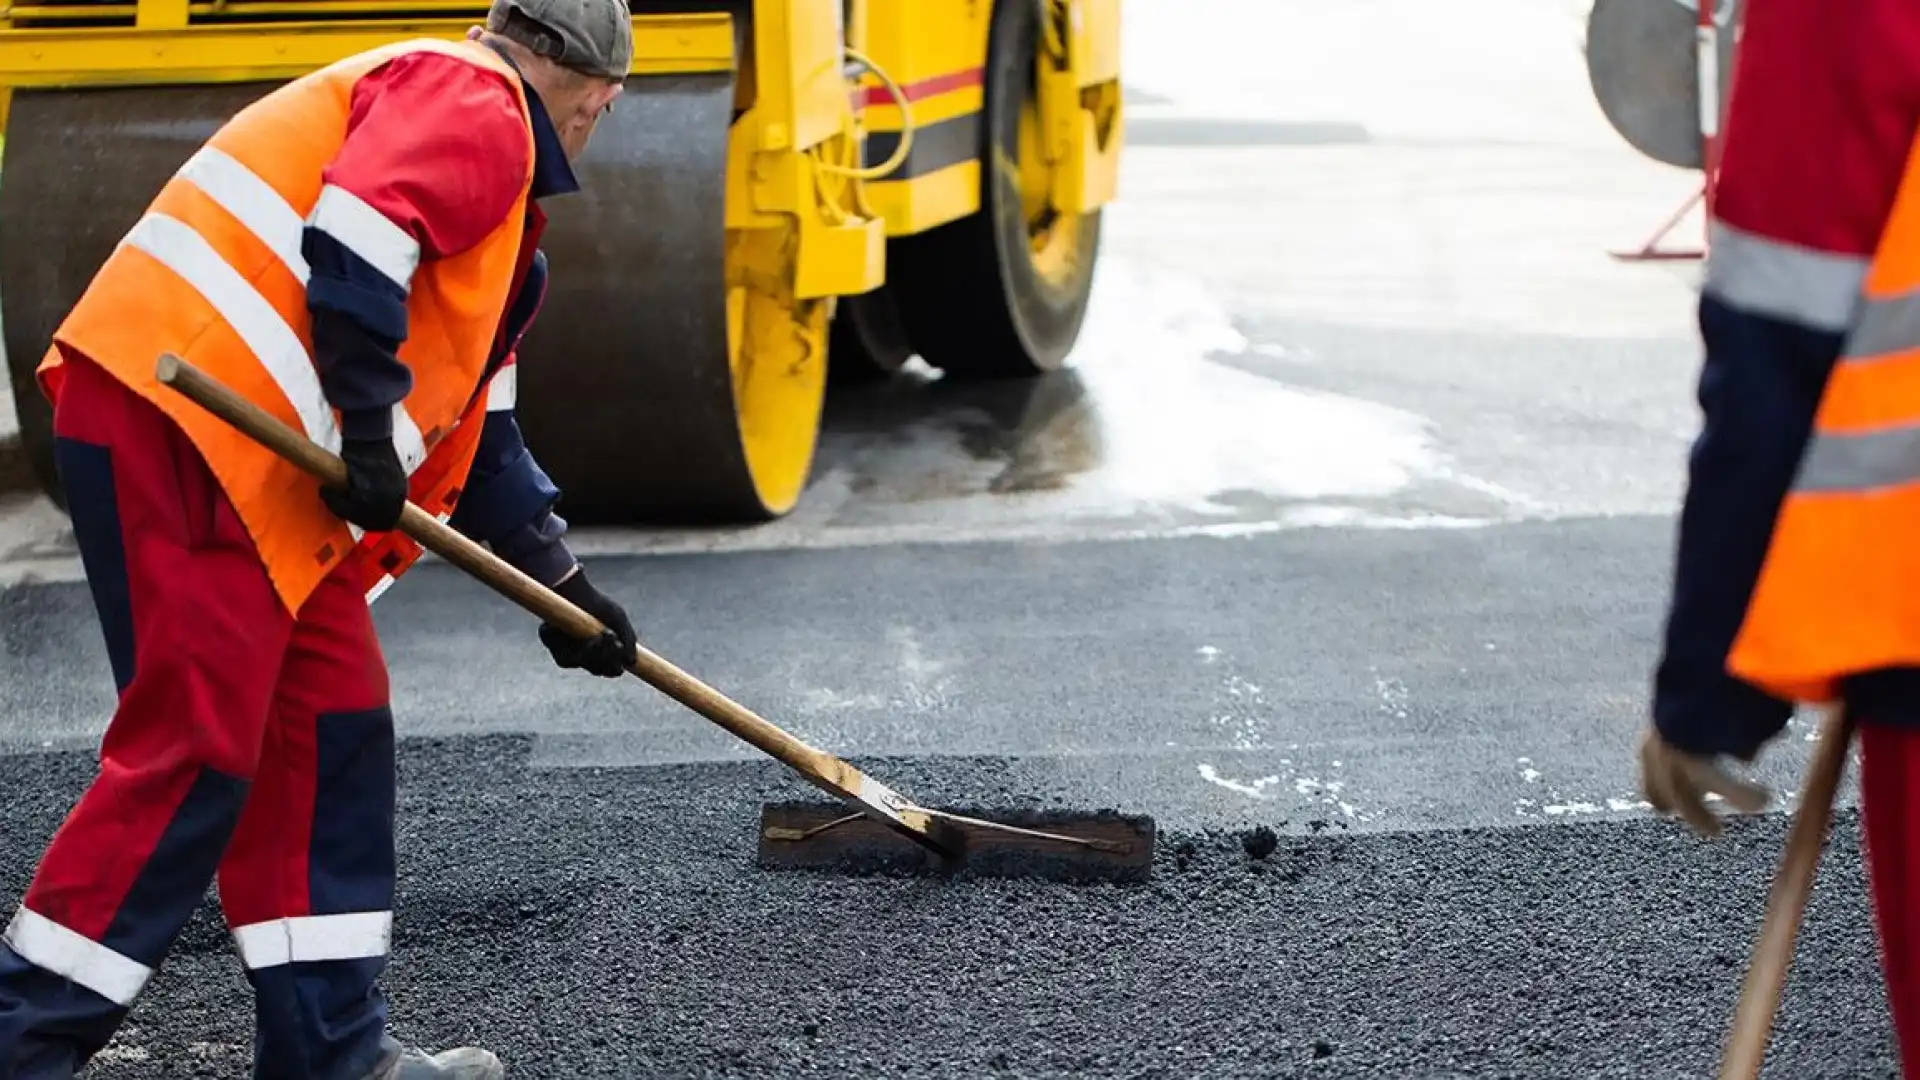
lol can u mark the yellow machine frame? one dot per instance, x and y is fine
(922, 85)
(861, 130)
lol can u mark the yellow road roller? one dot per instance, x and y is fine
(786, 187)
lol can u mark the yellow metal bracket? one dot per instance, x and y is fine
(797, 69)
(836, 253)
(1081, 124)
(794, 161)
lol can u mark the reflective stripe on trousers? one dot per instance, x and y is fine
(247, 746)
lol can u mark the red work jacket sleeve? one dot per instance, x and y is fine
(436, 153)
(1821, 120)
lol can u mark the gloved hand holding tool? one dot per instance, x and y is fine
(1677, 783)
(1104, 846)
(376, 487)
(605, 654)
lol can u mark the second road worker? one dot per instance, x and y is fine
(1797, 557)
(385, 210)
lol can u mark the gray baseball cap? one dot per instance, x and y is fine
(594, 37)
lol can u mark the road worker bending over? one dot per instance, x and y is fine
(1798, 570)
(356, 253)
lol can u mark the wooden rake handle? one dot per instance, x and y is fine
(823, 769)
(1786, 900)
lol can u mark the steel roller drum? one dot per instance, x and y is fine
(670, 376)
(81, 167)
(625, 395)
(1642, 62)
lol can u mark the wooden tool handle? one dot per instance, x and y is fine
(823, 769)
(1786, 900)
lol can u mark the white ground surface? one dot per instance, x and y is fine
(1359, 272)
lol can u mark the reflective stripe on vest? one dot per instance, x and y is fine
(404, 554)
(274, 222)
(213, 271)
(1834, 596)
(393, 554)
(504, 390)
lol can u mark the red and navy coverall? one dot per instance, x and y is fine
(250, 744)
(1820, 125)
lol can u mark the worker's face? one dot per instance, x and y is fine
(593, 100)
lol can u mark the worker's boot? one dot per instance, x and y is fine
(465, 1063)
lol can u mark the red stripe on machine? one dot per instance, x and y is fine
(916, 91)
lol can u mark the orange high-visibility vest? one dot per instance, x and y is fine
(213, 271)
(1839, 592)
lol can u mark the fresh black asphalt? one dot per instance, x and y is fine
(591, 923)
(582, 896)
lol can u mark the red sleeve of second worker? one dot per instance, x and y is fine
(438, 146)
(1821, 122)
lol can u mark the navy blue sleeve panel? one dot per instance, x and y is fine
(527, 302)
(1889, 697)
(506, 488)
(1760, 386)
(508, 504)
(438, 147)
(359, 320)
(539, 549)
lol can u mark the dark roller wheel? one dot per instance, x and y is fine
(671, 376)
(1001, 293)
(81, 166)
(868, 342)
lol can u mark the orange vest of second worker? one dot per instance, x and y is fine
(1839, 593)
(214, 273)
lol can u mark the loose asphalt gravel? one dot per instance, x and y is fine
(1474, 896)
(612, 923)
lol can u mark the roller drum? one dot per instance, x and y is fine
(670, 375)
(81, 167)
(660, 384)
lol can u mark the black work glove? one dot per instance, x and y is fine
(376, 485)
(606, 655)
